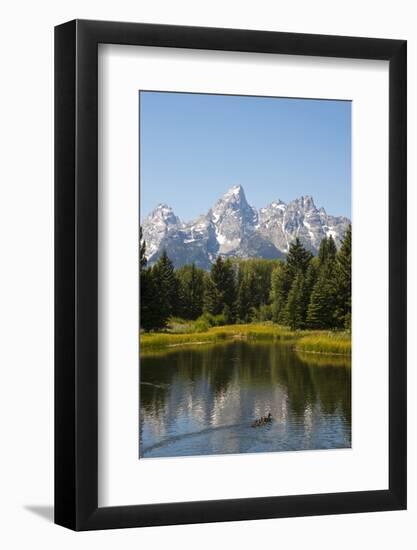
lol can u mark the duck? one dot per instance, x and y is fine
(261, 421)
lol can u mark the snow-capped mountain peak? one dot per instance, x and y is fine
(234, 228)
(163, 211)
(158, 225)
(235, 193)
(232, 218)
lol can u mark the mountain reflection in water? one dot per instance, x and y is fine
(201, 400)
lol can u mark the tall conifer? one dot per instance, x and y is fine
(344, 281)
(223, 298)
(191, 291)
(244, 301)
(321, 309)
(280, 286)
(298, 257)
(153, 314)
(212, 300)
(166, 282)
(142, 250)
(295, 307)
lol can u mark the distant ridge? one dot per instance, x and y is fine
(233, 228)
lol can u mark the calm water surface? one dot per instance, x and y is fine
(201, 400)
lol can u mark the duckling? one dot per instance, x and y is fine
(261, 421)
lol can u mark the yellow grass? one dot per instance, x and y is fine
(324, 359)
(306, 341)
(325, 342)
(161, 340)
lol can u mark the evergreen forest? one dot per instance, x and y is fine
(301, 292)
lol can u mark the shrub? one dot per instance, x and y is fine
(212, 320)
(178, 320)
(200, 325)
(264, 313)
(219, 320)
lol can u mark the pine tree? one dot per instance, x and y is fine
(298, 257)
(212, 302)
(191, 291)
(311, 276)
(258, 273)
(153, 315)
(221, 294)
(331, 249)
(145, 300)
(244, 302)
(327, 250)
(229, 316)
(254, 287)
(142, 250)
(295, 307)
(322, 253)
(281, 280)
(166, 283)
(196, 289)
(229, 291)
(344, 281)
(321, 309)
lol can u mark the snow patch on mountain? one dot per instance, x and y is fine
(233, 228)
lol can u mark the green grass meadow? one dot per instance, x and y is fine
(183, 333)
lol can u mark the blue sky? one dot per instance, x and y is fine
(194, 147)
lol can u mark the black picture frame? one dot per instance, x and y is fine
(76, 272)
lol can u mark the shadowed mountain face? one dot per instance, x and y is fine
(233, 228)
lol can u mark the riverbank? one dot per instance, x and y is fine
(337, 343)
(323, 342)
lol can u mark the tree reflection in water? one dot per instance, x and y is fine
(202, 400)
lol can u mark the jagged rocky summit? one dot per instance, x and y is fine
(233, 228)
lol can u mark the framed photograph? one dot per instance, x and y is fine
(230, 252)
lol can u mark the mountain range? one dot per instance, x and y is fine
(233, 228)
